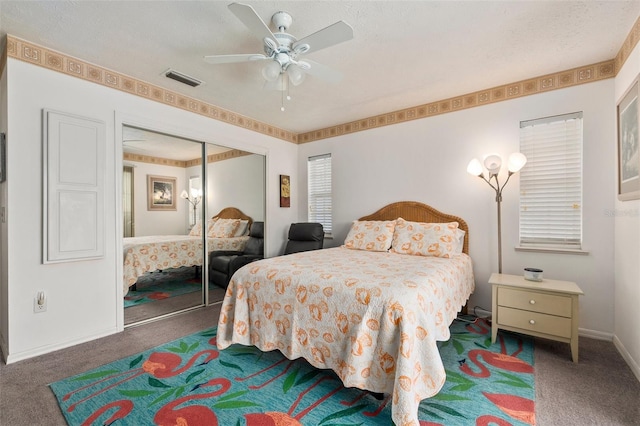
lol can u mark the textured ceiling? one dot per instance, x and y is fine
(404, 53)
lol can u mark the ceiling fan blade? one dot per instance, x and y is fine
(321, 71)
(329, 36)
(230, 59)
(251, 20)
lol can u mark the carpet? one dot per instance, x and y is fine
(189, 382)
(163, 285)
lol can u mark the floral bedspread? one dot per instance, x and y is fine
(372, 317)
(152, 253)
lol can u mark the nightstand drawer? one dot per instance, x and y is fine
(533, 321)
(533, 301)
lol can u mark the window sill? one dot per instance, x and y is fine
(552, 250)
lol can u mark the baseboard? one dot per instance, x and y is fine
(627, 357)
(42, 350)
(593, 334)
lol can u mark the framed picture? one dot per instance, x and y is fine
(285, 191)
(3, 157)
(628, 155)
(161, 193)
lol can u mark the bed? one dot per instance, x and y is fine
(160, 252)
(373, 317)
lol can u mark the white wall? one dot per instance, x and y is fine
(237, 182)
(85, 298)
(159, 222)
(425, 160)
(627, 247)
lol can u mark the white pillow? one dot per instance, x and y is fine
(370, 235)
(457, 248)
(243, 229)
(425, 239)
(196, 230)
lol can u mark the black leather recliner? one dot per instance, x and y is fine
(224, 263)
(304, 237)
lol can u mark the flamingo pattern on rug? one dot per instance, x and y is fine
(190, 382)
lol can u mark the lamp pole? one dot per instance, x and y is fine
(493, 164)
(194, 200)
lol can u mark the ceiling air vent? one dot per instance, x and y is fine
(182, 78)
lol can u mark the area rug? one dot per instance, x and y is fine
(161, 285)
(189, 382)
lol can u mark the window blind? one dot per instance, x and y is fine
(319, 191)
(551, 182)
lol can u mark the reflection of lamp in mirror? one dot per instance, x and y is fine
(194, 199)
(493, 163)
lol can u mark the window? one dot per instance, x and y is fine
(551, 182)
(319, 190)
(127, 201)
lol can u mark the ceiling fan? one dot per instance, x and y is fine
(282, 50)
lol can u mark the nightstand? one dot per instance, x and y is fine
(548, 308)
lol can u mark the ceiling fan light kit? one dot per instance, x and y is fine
(282, 49)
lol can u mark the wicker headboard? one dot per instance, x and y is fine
(233, 213)
(417, 212)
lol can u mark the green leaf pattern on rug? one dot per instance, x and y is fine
(462, 383)
(184, 348)
(96, 375)
(241, 382)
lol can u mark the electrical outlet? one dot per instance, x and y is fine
(40, 303)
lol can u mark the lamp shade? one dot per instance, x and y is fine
(474, 167)
(493, 163)
(296, 75)
(271, 71)
(516, 162)
(184, 194)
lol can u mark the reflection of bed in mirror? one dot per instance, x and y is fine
(370, 310)
(228, 230)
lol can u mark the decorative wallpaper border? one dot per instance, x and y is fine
(227, 155)
(629, 44)
(32, 53)
(555, 81)
(561, 80)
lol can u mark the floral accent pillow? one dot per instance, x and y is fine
(223, 228)
(370, 235)
(425, 239)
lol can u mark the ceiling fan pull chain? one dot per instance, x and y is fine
(282, 93)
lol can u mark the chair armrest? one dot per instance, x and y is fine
(225, 253)
(240, 261)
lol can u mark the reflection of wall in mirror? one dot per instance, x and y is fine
(237, 182)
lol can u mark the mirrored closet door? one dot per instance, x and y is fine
(169, 200)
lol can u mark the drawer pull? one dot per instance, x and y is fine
(532, 322)
(533, 302)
